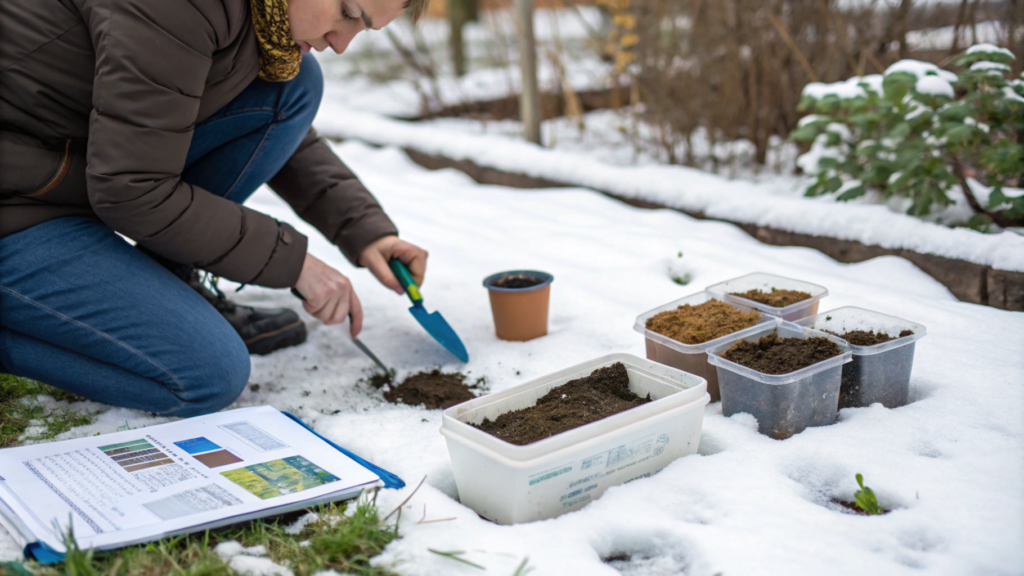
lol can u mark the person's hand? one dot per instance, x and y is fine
(328, 294)
(376, 256)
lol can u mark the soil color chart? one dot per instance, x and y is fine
(279, 477)
(207, 452)
(136, 455)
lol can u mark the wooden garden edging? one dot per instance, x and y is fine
(970, 282)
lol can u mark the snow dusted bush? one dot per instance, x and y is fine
(923, 133)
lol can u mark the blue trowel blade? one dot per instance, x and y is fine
(436, 326)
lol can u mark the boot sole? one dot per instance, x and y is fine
(290, 335)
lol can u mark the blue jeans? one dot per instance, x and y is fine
(84, 311)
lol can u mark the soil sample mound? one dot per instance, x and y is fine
(516, 281)
(774, 355)
(701, 323)
(775, 298)
(432, 389)
(577, 402)
(869, 337)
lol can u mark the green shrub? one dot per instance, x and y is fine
(920, 132)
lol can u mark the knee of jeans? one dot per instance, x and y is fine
(222, 381)
(301, 95)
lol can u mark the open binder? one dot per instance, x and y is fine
(187, 476)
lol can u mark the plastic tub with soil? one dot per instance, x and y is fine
(786, 376)
(883, 354)
(786, 298)
(626, 423)
(680, 333)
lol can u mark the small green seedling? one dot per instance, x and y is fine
(827, 318)
(682, 279)
(865, 498)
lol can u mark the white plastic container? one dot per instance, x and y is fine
(766, 282)
(510, 484)
(783, 404)
(692, 358)
(879, 373)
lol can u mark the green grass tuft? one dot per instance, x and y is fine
(336, 541)
(20, 404)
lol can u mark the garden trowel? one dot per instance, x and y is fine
(433, 322)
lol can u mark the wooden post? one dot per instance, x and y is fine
(529, 98)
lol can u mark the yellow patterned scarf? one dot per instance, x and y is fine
(280, 56)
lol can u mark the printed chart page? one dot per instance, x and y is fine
(140, 484)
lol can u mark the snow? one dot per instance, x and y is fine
(941, 38)
(920, 69)
(986, 48)
(986, 65)
(251, 561)
(686, 189)
(934, 86)
(951, 463)
(850, 88)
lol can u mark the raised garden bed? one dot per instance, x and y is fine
(510, 483)
(968, 281)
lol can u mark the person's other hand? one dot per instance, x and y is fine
(376, 256)
(328, 294)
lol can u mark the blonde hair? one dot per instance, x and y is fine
(417, 8)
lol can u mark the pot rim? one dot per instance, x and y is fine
(546, 280)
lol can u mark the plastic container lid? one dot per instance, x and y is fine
(694, 299)
(784, 330)
(847, 318)
(765, 282)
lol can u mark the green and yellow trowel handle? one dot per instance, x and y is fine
(405, 279)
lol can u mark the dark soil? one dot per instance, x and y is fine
(515, 281)
(577, 402)
(775, 298)
(869, 337)
(379, 379)
(852, 507)
(431, 389)
(701, 323)
(774, 355)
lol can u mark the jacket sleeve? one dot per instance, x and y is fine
(152, 60)
(325, 193)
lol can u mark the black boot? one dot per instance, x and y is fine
(262, 329)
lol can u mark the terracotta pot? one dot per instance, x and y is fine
(520, 314)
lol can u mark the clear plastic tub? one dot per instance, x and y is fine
(879, 373)
(692, 358)
(510, 484)
(784, 404)
(765, 282)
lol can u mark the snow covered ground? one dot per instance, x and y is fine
(951, 463)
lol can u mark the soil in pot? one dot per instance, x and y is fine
(517, 281)
(577, 402)
(431, 389)
(701, 323)
(774, 355)
(776, 298)
(869, 337)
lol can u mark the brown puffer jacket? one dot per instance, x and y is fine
(98, 100)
